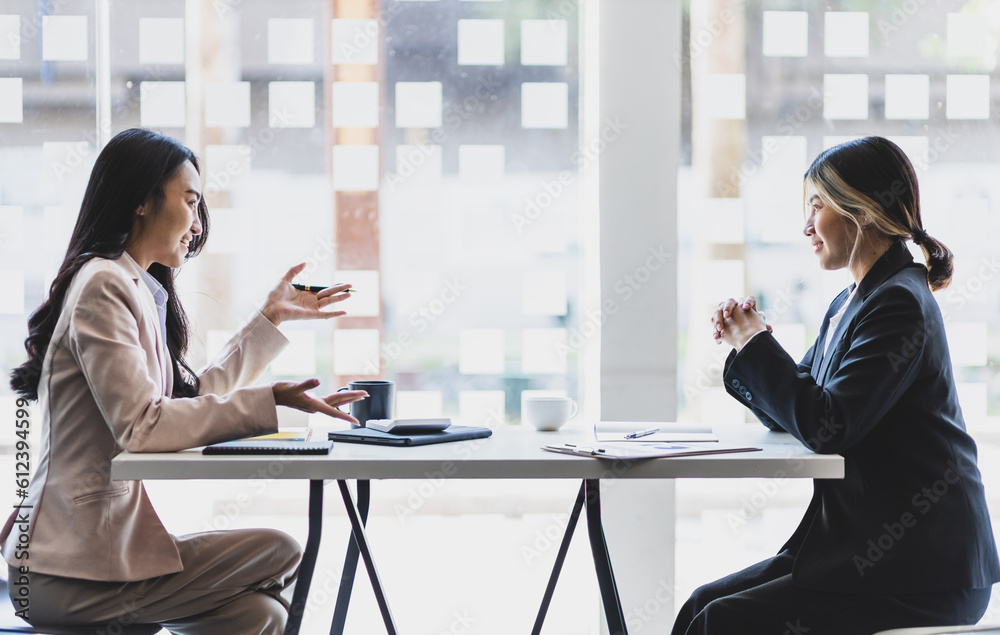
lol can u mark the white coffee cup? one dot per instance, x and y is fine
(549, 413)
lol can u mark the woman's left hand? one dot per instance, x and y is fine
(286, 302)
(736, 321)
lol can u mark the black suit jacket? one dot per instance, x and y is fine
(910, 514)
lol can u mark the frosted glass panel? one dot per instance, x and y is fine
(11, 100)
(777, 197)
(968, 35)
(718, 407)
(161, 41)
(907, 96)
(544, 293)
(11, 292)
(299, 357)
(355, 104)
(792, 337)
(544, 105)
(67, 164)
(228, 167)
(355, 351)
(11, 227)
(10, 37)
(355, 168)
(965, 341)
(227, 104)
(292, 104)
(484, 408)
(481, 42)
(162, 104)
(543, 350)
(481, 163)
(724, 279)
(968, 97)
(543, 42)
(58, 222)
(784, 154)
(722, 220)
(417, 166)
(845, 96)
(290, 41)
(481, 351)
(355, 41)
(786, 33)
(974, 399)
(64, 38)
(231, 233)
(364, 301)
(846, 34)
(418, 104)
(724, 96)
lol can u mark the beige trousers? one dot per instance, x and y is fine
(231, 583)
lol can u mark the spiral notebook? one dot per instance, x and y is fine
(256, 446)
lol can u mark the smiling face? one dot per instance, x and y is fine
(162, 233)
(832, 235)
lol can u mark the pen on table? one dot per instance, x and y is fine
(642, 433)
(312, 288)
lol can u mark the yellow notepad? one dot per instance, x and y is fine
(285, 435)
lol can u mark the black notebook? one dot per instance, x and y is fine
(377, 437)
(252, 446)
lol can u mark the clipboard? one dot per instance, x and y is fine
(652, 432)
(634, 451)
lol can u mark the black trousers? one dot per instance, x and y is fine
(761, 600)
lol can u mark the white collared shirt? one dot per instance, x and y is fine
(160, 296)
(835, 320)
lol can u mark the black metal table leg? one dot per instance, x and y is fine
(560, 558)
(602, 560)
(366, 555)
(308, 563)
(350, 563)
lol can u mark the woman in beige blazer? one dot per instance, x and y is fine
(106, 365)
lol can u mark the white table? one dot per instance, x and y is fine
(512, 453)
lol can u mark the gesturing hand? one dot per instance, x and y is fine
(736, 321)
(295, 396)
(286, 302)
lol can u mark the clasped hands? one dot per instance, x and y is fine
(285, 302)
(735, 322)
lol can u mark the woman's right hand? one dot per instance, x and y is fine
(294, 396)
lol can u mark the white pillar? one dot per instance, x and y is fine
(640, 41)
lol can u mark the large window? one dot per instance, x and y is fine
(768, 86)
(427, 152)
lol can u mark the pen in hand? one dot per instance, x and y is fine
(641, 433)
(312, 288)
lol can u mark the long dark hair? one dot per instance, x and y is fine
(872, 178)
(130, 171)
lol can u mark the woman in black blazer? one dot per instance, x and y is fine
(904, 539)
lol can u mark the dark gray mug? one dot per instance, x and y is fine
(377, 405)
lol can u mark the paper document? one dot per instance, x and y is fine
(653, 431)
(630, 451)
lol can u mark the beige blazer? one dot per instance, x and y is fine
(105, 386)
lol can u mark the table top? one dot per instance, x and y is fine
(513, 452)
